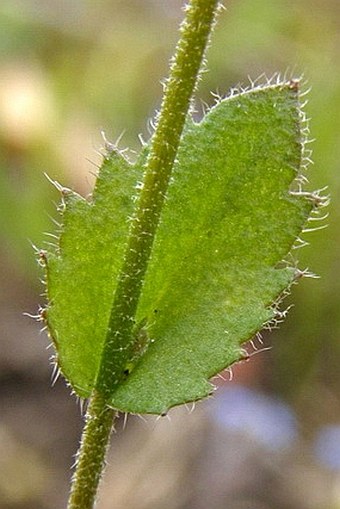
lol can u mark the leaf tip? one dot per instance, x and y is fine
(64, 191)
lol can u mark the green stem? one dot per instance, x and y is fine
(184, 72)
(91, 454)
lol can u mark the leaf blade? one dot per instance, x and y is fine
(82, 271)
(201, 272)
(213, 279)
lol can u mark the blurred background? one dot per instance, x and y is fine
(270, 438)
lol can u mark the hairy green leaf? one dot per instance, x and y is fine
(83, 267)
(214, 278)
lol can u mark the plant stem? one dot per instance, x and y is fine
(184, 72)
(91, 454)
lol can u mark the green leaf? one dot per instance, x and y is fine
(214, 278)
(82, 270)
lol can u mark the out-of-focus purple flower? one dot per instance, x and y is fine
(268, 420)
(327, 446)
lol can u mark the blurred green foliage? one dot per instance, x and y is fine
(71, 69)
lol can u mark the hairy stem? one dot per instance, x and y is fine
(184, 72)
(91, 454)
